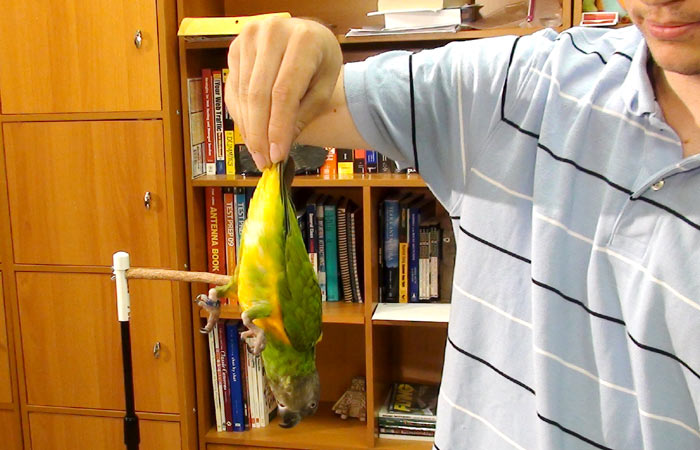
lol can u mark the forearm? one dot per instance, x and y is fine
(334, 126)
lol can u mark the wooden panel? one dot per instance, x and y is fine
(72, 432)
(79, 57)
(72, 346)
(77, 191)
(10, 430)
(5, 378)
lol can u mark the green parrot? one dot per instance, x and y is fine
(277, 289)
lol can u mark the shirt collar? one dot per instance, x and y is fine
(636, 89)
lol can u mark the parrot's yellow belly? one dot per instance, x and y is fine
(261, 256)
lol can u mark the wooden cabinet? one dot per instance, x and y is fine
(5, 375)
(77, 191)
(71, 432)
(92, 163)
(79, 56)
(71, 342)
(10, 430)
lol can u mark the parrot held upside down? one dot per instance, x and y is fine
(278, 291)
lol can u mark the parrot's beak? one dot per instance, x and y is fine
(289, 418)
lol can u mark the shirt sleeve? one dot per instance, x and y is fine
(457, 91)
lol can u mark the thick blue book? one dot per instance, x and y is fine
(330, 225)
(234, 373)
(392, 217)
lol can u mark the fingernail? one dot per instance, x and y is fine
(276, 153)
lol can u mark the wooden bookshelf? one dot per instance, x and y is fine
(385, 349)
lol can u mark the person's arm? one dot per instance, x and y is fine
(285, 84)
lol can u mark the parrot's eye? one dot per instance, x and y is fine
(281, 405)
(312, 405)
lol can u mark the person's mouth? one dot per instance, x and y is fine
(669, 31)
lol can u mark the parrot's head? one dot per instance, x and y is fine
(297, 397)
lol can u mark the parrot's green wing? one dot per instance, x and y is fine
(301, 309)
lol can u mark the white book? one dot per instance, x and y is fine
(214, 381)
(391, 5)
(394, 20)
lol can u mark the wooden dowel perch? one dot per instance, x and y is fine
(177, 275)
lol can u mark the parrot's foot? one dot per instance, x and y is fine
(212, 305)
(255, 332)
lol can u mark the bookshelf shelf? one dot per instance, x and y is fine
(370, 180)
(325, 430)
(333, 312)
(224, 42)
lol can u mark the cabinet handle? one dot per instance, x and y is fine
(138, 38)
(156, 350)
(147, 200)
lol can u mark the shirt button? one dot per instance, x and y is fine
(658, 185)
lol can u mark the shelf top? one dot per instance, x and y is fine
(324, 430)
(224, 42)
(357, 180)
(333, 312)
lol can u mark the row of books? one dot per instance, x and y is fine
(242, 397)
(213, 135)
(409, 412)
(410, 249)
(217, 147)
(331, 228)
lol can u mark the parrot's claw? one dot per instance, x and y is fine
(254, 332)
(213, 307)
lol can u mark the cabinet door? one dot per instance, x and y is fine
(10, 430)
(72, 343)
(77, 191)
(5, 380)
(78, 56)
(71, 432)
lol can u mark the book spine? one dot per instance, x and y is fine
(194, 98)
(380, 252)
(371, 161)
(330, 225)
(345, 162)
(245, 390)
(215, 227)
(413, 254)
(392, 218)
(208, 110)
(329, 169)
(424, 265)
(435, 237)
(252, 386)
(320, 216)
(239, 198)
(403, 256)
(229, 133)
(230, 231)
(221, 425)
(343, 254)
(225, 388)
(312, 238)
(234, 370)
(214, 382)
(359, 164)
(352, 251)
(219, 145)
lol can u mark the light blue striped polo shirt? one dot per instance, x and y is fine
(576, 298)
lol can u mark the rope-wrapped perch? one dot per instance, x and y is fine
(176, 275)
(213, 307)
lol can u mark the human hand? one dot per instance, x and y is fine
(282, 73)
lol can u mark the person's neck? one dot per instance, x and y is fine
(682, 114)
